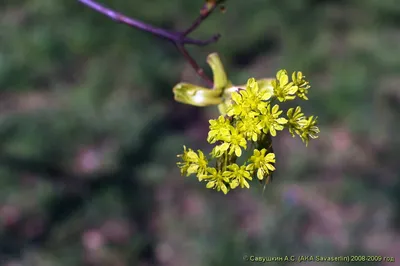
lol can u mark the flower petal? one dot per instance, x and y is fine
(224, 188)
(210, 184)
(238, 151)
(260, 174)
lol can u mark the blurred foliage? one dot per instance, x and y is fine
(89, 133)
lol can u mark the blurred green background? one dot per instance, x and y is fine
(89, 132)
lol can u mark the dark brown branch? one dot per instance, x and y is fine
(180, 39)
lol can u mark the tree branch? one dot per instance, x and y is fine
(180, 39)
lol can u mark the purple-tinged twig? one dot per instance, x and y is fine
(180, 39)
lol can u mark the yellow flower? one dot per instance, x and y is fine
(219, 129)
(233, 143)
(296, 120)
(237, 107)
(270, 120)
(238, 175)
(299, 124)
(248, 101)
(309, 130)
(250, 127)
(192, 162)
(303, 85)
(262, 162)
(283, 89)
(216, 180)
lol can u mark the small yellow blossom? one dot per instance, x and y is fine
(248, 101)
(303, 85)
(193, 163)
(271, 121)
(283, 89)
(238, 175)
(219, 129)
(250, 126)
(234, 140)
(296, 120)
(309, 130)
(262, 162)
(216, 180)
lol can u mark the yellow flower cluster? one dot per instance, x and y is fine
(253, 117)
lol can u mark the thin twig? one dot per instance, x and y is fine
(170, 35)
(180, 39)
(199, 20)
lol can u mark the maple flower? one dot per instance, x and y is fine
(261, 162)
(192, 162)
(270, 120)
(215, 180)
(283, 89)
(238, 175)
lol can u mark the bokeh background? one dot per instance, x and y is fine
(89, 134)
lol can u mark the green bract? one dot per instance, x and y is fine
(251, 117)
